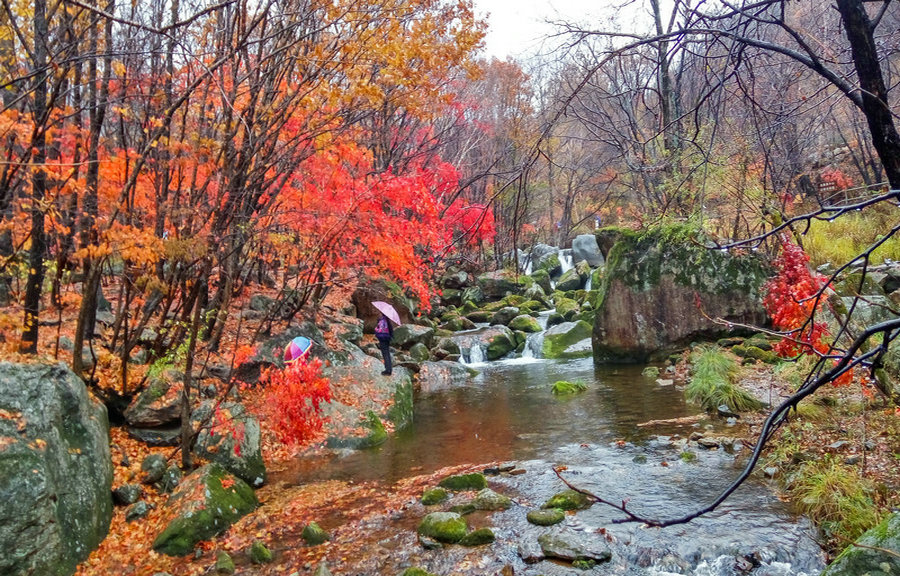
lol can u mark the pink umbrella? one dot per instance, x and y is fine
(388, 311)
(297, 349)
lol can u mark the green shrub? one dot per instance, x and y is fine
(713, 382)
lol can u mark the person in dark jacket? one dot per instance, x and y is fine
(384, 332)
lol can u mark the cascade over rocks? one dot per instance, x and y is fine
(55, 471)
(647, 304)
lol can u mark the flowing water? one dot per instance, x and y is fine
(508, 414)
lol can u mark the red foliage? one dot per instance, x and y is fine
(294, 398)
(791, 303)
(840, 180)
(474, 221)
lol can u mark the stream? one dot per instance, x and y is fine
(508, 414)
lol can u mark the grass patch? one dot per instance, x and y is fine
(856, 231)
(714, 382)
(836, 498)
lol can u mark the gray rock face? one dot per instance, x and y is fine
(871, 558)
(241, 454)
(585, 248)
(408, 335)
(570, 280)
(55, 470)
(648, 301)
(496, 285)
(487, 343)
(571, 546)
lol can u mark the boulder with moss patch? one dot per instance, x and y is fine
(568, 500)
(447, 527)
(655, 280)
(525, 323)
(567, 340)
(877, 552)
(461, 482)
(206, 503)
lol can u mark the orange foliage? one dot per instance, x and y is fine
(294, 398)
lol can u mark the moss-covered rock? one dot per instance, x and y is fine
(568, 500)
(567, 307)
(479, 316)
(260, 553)
(487, 499)
(504, 315)
(461, 482)
(565, 388)
(570, 280)
(478, 537)
(206, 503)
(496, 285)
(542, 278)
(434, 496)
(224, 563)
(568, 340)
(755, 353)
(313, 534)
(525, 323)
(241, 455)
(416, 571)
(647, 306)
(458, 323)
(546, 517)
(878, 552)
(447, 527)
(407, 335)
(500, 345)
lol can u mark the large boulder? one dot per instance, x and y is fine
(495, 285)
(159, 403)
(408, 335)
(567, 340)
(489, 343)
(204, 504)
(570, 280)
(586, 249)
(55, 470)
(647, 305)
(877, 552)
(231, 438)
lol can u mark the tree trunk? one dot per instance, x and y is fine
(875, 106)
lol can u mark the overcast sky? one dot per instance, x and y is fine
(516, 26)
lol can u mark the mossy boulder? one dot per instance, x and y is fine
(567, 307)
(416, 571)
(541, 278)
(55, 471)
(260, 553)
(878, 552)
(755, 353)
(570, 280)
(546, 517)
(458, 323)
(565, 388)
(478, 537)
(504, 315)
(407, 335)
(206, 503)
(501, 344)
(461, 482)
(654, 281)
(568, 340)
(313, 534)
(525, 323)
(159, 403)
(434, 496)
(487, 499)
(419, 352)
(568, 500)
(224, 563)
(495, 285)
(447, 527)
(241, 455)
(479, 316)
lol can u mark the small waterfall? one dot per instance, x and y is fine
(474, 355)
(534, 345)
(588, 283)
(566, 260)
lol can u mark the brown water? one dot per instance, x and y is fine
(509, 414)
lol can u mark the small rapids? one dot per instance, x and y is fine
(508, 414)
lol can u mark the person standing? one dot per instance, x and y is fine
(384, 332)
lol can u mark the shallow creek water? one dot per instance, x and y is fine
(508, 414)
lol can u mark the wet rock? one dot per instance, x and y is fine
(570, 280)
(568, 340)
(442, 375)
(170, 479)
(448, 527)
(166, 436)
(407, 335)
(314, 535)
(461, 482)
(205, 504)
(504, 315)
(568, 500)
(434, 496)
(574, 546)
(530, 551)
(128, 494)
(496, 285)
(585, 248)
(487, 499)
(478, 537)
(725, 412)
(546, 517)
